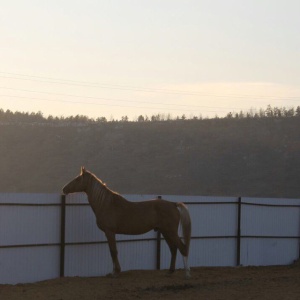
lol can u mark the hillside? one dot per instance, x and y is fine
(229, 157)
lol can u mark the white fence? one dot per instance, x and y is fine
(42, 239)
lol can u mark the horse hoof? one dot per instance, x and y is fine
(112, 275)
(187, 275)
(170, 273)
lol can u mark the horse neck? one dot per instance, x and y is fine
(95, 191)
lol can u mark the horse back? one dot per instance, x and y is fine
(141, 217)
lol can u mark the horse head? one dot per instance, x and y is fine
(78, 184)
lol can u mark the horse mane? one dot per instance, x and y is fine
(107, 192)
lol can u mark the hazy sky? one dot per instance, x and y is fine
(132, 57)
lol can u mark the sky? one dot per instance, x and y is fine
(135, 57)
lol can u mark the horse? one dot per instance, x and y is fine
(116, 215)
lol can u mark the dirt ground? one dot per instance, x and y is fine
(279, 282)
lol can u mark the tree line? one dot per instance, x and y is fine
(8, 116)
(269, 112)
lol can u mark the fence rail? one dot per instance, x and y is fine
(59, 232)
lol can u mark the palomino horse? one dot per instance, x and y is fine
(116, 215)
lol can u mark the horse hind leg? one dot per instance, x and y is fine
(174, 242)
(184, 252)
(173, 250)
(186, 267)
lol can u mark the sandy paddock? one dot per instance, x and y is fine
(279, 282)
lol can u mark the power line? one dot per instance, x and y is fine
(98, 85)
(220, 109)
(125, 100)
(102, 104)
(119, 100)
(162, 106)
(204, 109)
(133, 88)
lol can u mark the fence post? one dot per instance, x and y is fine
(158, 249)
(158, 246)
(238, 242)
(62, 235)
(299, 246)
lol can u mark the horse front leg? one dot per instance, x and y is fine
(111, 238)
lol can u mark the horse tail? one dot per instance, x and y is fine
(186, 225)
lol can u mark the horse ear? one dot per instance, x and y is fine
(82, 170)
